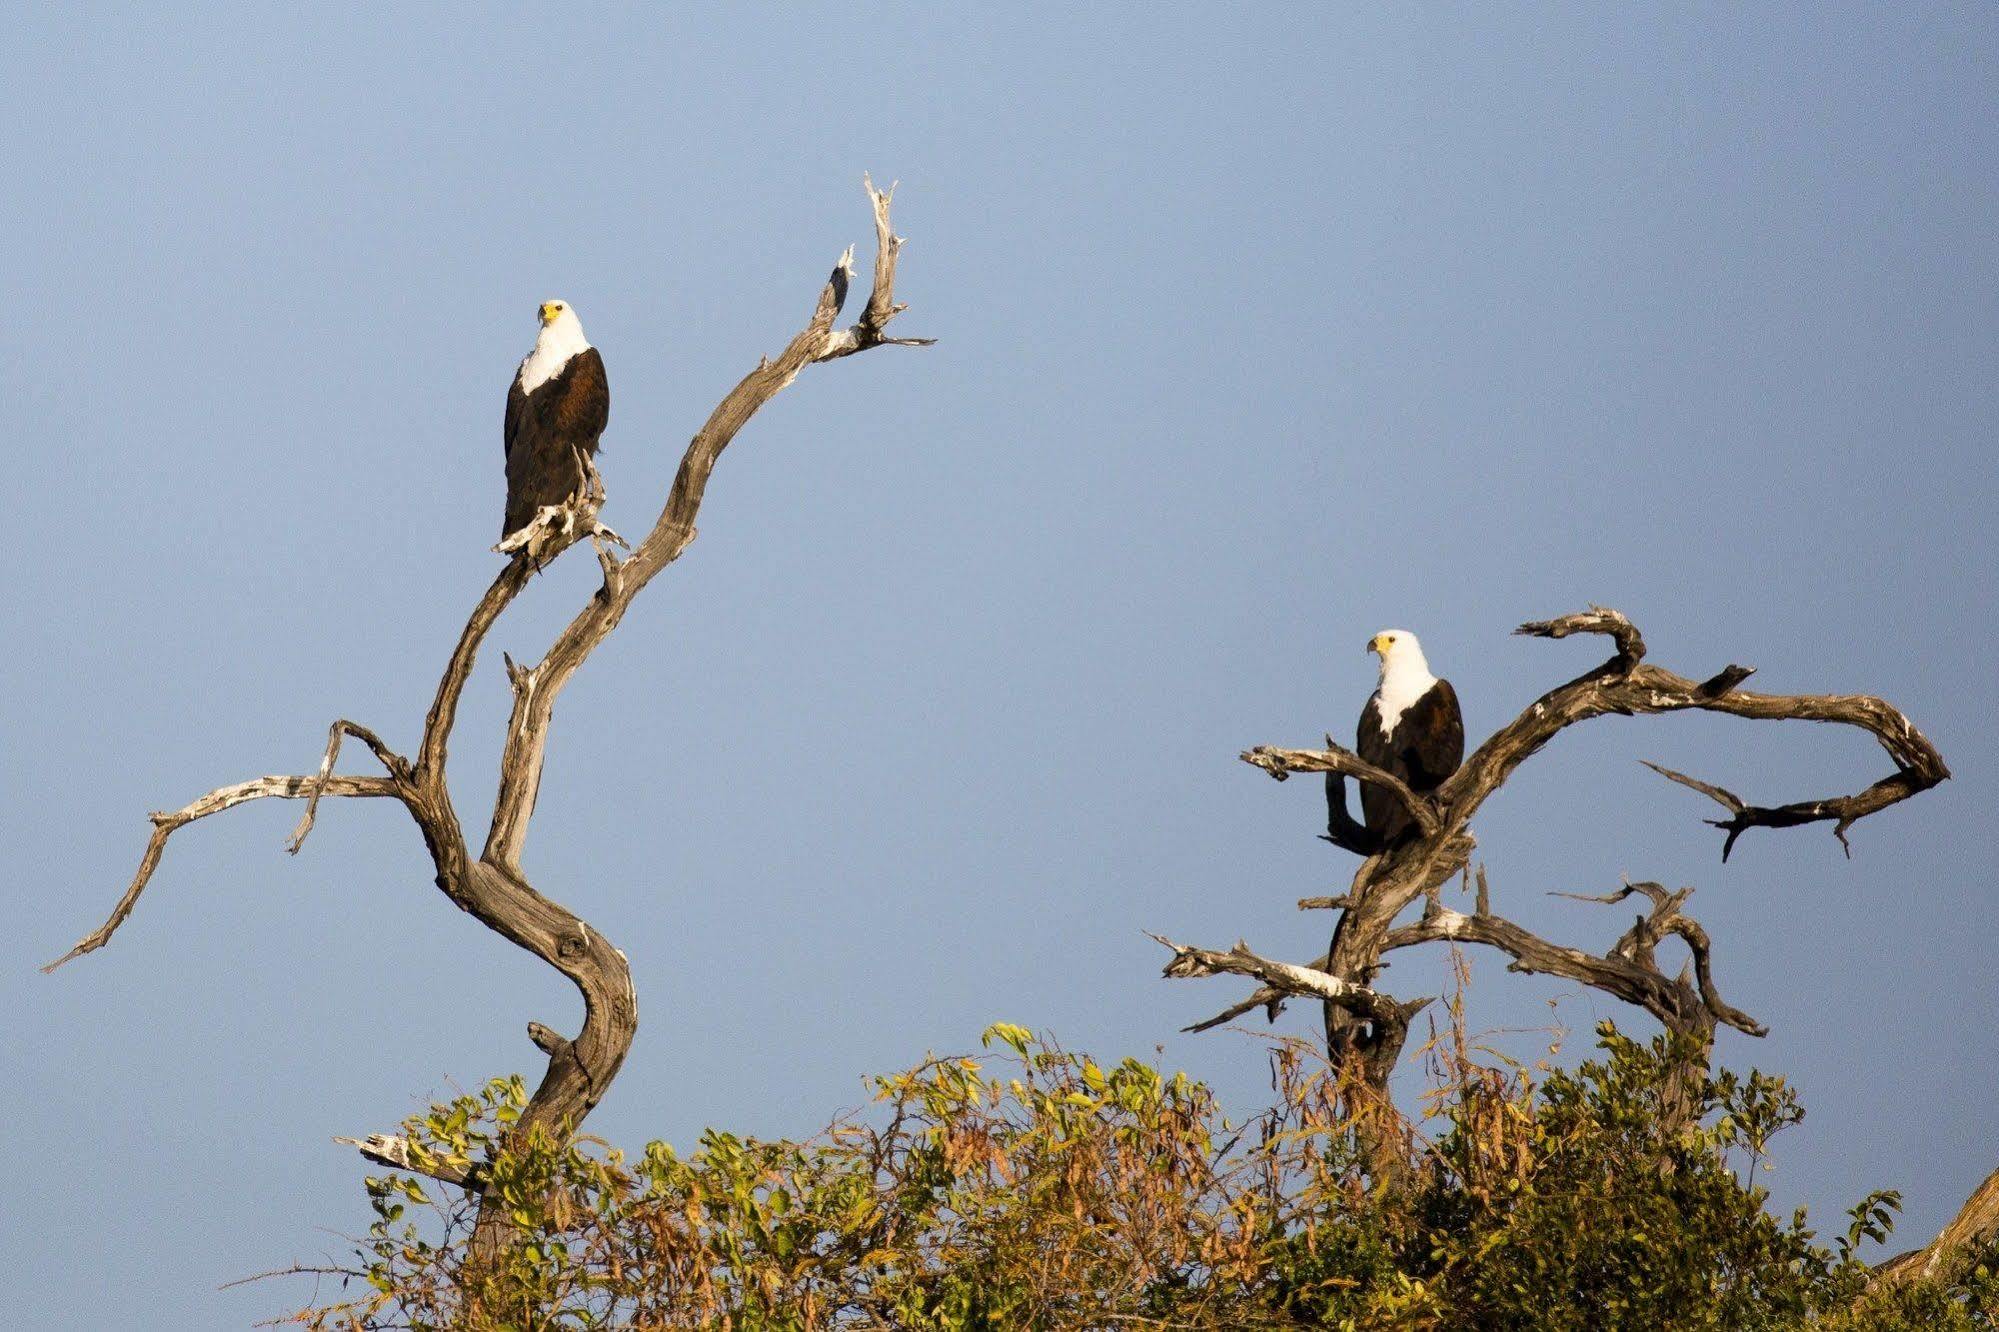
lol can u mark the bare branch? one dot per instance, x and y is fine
(493, 888)
(1269, 998)
(1596, 620)
(398, 766)
(216, 801)
(1697, 943)
(1281, 763)
(550, 1043)
(882, 306)
(1266, 998)
(1625, 686)
(296, 1269)
(1977, 1222)
(1627, 970)
(1727, 799)
(1840, 811)
(1282, 977)
(443, 715)
(1726, 680)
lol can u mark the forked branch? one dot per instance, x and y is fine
(1626, 686)
(493, 887)
(166, 825)
(870, 329)
(1439, 846)
(398, 767)
(1279, 978)
(1335, 758)
(1628, 970)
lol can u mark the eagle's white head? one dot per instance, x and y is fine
(561, 337)
(1405, 674)
(1399, 652)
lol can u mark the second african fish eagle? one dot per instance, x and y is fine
(558, 406)
(1411, 727)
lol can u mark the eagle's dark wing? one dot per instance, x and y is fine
(1380, 810)
(547, 430)
(1430, 738)
(582, 406)
(517, 402)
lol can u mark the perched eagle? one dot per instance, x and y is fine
(1410, 727)
(556, 409)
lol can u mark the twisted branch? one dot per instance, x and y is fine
(398, 766)
(166, 825)
(1391, 878)
(1628, 969)
(1279, 978)
(1334, 758)
(1626, 686)
(493, 887)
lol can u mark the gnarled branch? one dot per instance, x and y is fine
(493, 888)
(1627, 970)
(166, 825)
(1976, 1223)
(882, 306)
(398, 766)
(1334, 758)
(1595, 620)
(1280, 978)
(1626, 686)
(1391, 878)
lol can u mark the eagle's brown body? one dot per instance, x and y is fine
(550, 432)
(1423, 747)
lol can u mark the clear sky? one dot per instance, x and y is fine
(1258, 334)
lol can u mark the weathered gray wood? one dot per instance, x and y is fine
(492, 887)
(166, 825)
(1364, 1038)
(1976, 1224)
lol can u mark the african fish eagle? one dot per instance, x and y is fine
(556, 409)
(1411, 727)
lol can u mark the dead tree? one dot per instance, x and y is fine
(1366, 1028)
(490, 885)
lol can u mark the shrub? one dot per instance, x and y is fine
(1035, 1188)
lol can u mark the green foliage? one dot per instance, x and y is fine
(1033, 1188)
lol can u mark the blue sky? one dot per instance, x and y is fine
(1258, 333)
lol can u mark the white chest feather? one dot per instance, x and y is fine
(560, 340)
(1398, 693)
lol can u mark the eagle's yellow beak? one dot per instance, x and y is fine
(549, 310)
(1375, 645)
